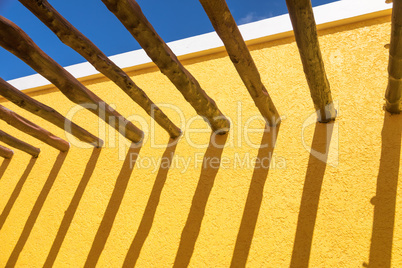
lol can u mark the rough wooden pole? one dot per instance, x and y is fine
(49, 114)
(19, 144)
(5, 152)
(32, 129)
(20, 44)
(305, 30)
(131, 16)
(226, 27)
(70, 36)
(393, 94)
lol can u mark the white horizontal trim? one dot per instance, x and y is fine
(336, 11)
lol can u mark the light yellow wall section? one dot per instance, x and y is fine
(89, 206)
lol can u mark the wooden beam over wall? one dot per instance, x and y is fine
(20, 44)
(32, 129)
(131, 16)
(226, 27)
(70, 36)
(19, 144)
(393, 94)
(5, 152)
(305, 30)
(49, 114)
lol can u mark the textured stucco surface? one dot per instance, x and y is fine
(88, 204)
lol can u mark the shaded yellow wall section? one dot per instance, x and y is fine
(89, 206)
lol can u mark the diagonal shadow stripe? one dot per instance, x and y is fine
(33, 216)
(72, 208)
(311, 196)
(4, 167)
(254, 199)
(16, 192)
(191, 230)
(386, 193)
(113, 207)
(150, 210)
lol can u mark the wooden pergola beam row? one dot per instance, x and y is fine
(20, 44)
(305, 30)
(49, 114)
(5, 152)
(70, 36)
(393, 94)
(32, 129)
(226, 27)
(131, 16)
(19, 144)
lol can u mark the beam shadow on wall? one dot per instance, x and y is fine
(385, 200)
(254, 198)
(16, 192)
(113, 206)
(33, 216)
(311, 196)
(150, 210)
(4, 167)
(72, 208)
(209, 170)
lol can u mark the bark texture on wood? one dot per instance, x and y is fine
(393, 94)
(131, 16)
(19, 144)
(49, 114)
(20, 44)
(305, 30)
(70, 36)
(32, 129)
(226, 27)
(5, 152)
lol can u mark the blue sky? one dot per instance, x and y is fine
(173, 20)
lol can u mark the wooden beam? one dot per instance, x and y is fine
(131, 16)
(32, 129)
(19, 144)
(70, 36)
(393, 94)
(305, 30)
(20, 44)
(49, 114)
(5, 152)
(226, 27)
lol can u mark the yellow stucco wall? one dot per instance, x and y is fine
(89, 206)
